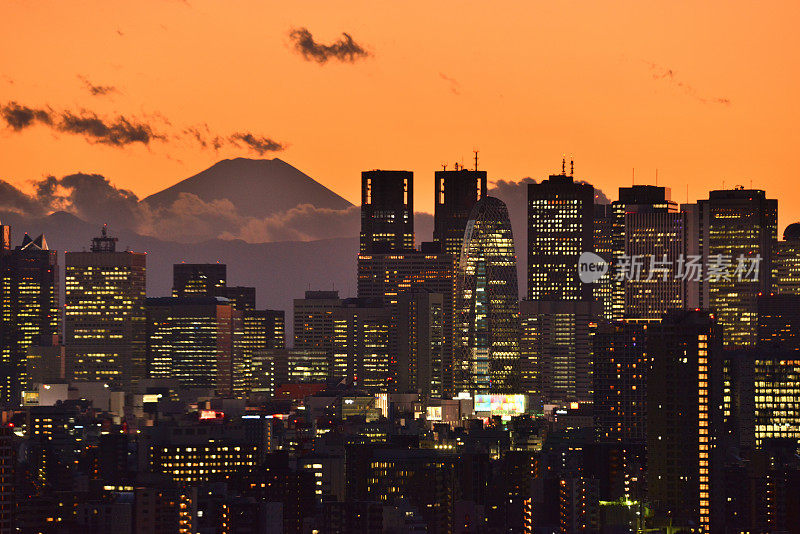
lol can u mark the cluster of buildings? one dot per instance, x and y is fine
(649, 381)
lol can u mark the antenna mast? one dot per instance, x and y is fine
(476, 159)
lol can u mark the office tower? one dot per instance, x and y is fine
(387, 211)
(603, 289)
(191, 339)
(313, 322)
(198, 279)
(487, 302)
(420, 334)
(29, 296)
(560, 229)
(620, 370)
(455, 195)
(684, 416)
(556, 349)
(386, 276)
(738, 225)
(361, 345)
(104, 325)
(644, 222)
(775, 394)
(786, 262)
(263, 329)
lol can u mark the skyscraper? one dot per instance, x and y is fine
(386, 277)
(420, 334)
(191, 339)
(556, 349)
(455, 195)
(786, 262)
(560, 229)
(645, 223)
(738, 223)
(684, 419)
(104, 326)
(361, 345)
(387, 211)
(487, 302)
(29, 296)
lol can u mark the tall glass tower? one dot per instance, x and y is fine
(488, 305)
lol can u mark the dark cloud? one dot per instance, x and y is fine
(97, 90)
(118, 132)
(258, 143)
(20, 117)
(123, 131)
(669, 75)
(345, 49)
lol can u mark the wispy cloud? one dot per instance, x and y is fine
(97, 90)
(455, 87)
(670, 76)
(345, 49)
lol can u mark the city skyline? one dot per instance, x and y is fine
(645, 90)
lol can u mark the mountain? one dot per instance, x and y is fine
(257, 187)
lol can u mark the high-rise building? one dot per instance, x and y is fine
(684, 419)
(779, 321)
(387, 211)
(104, 325)
(313, 322)
(560, 229)
(198, 279)
(420, 334)
(488, 302)
(786, 262)
(191, 339)
(456, 193)
(243, 298)
(739, 227)
(603, 289)
(556, 349)
(29, 310)
(641, 215)
(386, 276)
(361, 345)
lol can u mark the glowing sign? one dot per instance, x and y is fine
(211, 414)
(501, 404)
(433, 413)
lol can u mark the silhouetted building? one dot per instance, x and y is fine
(456, 193)
(684, 421)
(361, 345)
(387, 211)
(29, 301)
(104, 325)
(487, 303)
(198, 279)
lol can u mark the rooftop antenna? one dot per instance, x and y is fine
(563, 165)
(456, 164)
(476, 159)
(571, 166)
(444, 166)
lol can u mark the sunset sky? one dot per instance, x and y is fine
(705, 92)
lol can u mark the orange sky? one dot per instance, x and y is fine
(522, 81)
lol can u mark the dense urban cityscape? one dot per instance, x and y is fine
(649, 381)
